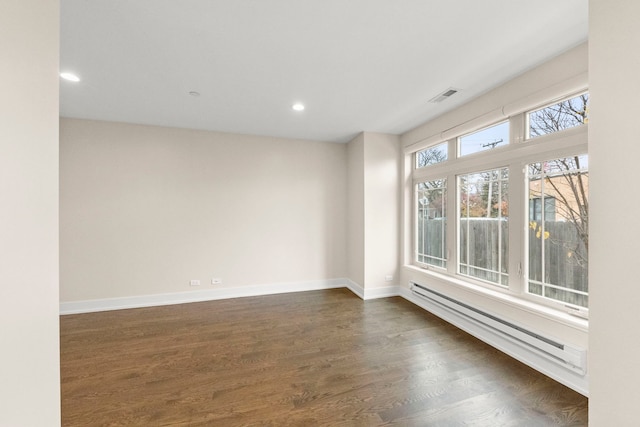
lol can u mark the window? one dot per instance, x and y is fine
(432, 155)
(563, 115)
(432, 221)
(559, 240)
(483, 225)
(485, 139)
(514, 220)
(535, 207)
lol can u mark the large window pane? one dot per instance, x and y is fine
(485, 139)
(559, 233)
(484, 227)
(431, 223)
(563, 115)
(432, 155)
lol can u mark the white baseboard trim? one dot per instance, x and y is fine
(564, 376)
(355, 288)
(384, 292)
(372, 293)
(121, 303)
(106, 304)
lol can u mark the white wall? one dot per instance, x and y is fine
(145, 209)
(382, 208)
(564, 67)
(571, 67)
(29, 360)
(356, 212)
(374, 210)
(614, 67)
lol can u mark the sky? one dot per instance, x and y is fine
(485, 139)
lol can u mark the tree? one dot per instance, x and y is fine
(565, 177)
(431, 156)
(563, 115)
(432, 194)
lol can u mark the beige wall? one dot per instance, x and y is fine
(356, 212)
(374, 209)
(382, 208)
(29, 360)
(530, 85)
(145, 209)
(614, 67)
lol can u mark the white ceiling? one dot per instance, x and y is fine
(357, 65)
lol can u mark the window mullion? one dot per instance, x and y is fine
(517, 228)
(452, 224)
(518, 124)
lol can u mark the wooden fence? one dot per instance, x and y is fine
(565, 255)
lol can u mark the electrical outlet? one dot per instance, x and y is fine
(194, 282)
(388, 278)
(216, 281)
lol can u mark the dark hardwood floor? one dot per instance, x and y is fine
(322, 358)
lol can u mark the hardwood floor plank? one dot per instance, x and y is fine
(312, 358)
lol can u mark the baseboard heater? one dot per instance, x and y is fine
(570, 357)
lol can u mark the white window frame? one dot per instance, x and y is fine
(515, 156)
(459, 232)
(416, 227)
(527, 135)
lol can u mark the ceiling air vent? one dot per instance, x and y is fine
(444, 95)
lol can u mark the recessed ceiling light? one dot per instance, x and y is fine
(297, 106)
(70, 77)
